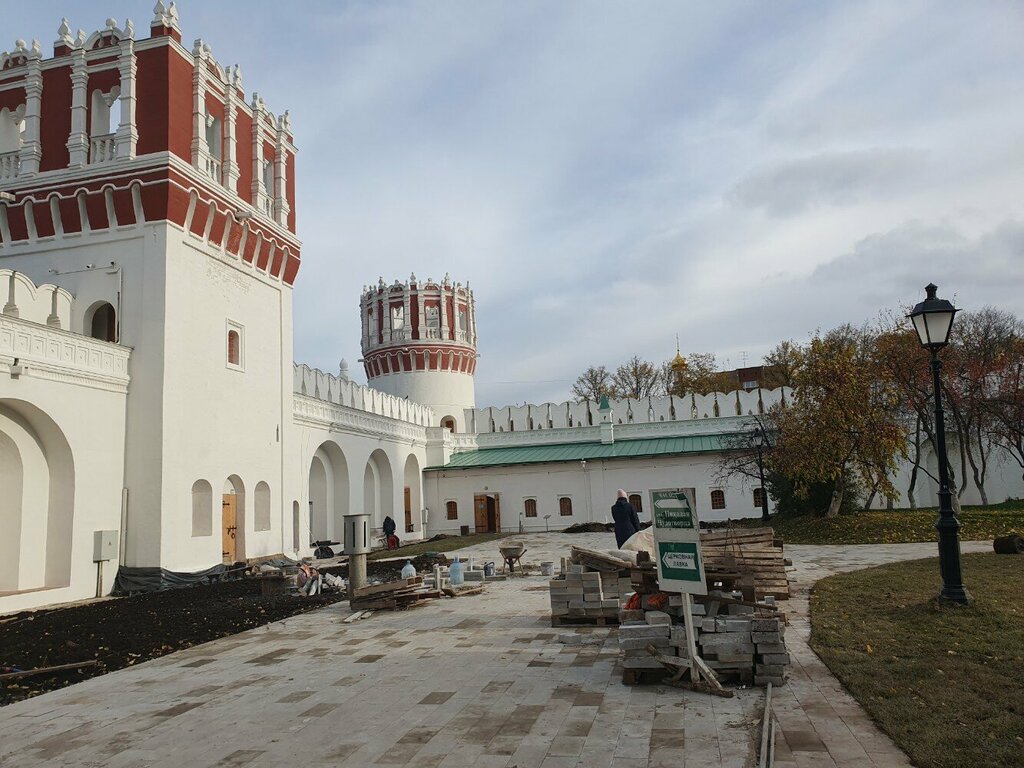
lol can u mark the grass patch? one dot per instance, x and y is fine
(441, 545)
(895, 527)
(947, 684)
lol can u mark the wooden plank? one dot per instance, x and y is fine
(47, 670)
(388, 586)
(766, 718)
(352, 617)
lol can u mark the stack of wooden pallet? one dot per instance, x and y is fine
(750, 560)
(392, 595)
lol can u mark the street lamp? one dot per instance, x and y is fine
(759, 446)
(933, 320)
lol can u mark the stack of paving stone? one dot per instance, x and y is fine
(583, 596)
(634, 638)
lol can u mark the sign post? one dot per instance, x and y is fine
(677, 541)
(680, 565)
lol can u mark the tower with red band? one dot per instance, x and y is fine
(419, 342)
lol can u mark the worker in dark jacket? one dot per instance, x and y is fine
(626, 521)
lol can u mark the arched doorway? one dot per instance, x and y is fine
(37, 498)
(101, 321)
(448, 422)
(413, 494)
(328, 492)
(378, 488)
(233, 520)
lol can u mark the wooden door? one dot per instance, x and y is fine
(408, 510)
(480, 513)
(229, 518)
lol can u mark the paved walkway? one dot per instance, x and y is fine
(476, 681)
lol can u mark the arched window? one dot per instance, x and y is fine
(234, 344)
(637, 501)
(448, 423)
(104, 323)
(530, 507)
(262, 517)
(452, 508)
(565, 506)
(202, 508)
(758, 497)
(718, 499)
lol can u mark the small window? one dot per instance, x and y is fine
(758, 497)
(397, 318)
(452, 508)
(637, 501)
(462, 320)
(235, 350)
(448, 423)
(718, 499)
(433, 317)
(530, 507)
(565, 506)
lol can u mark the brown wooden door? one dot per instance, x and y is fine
(229, 517)
(480, 513)
(408, 510)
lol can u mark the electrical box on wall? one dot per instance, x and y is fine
(104, 546)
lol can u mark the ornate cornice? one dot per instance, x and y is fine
(339, 418)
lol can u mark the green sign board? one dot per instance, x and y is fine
(672, 509)
(679, 561)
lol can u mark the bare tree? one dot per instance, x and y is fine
(592, 384)
(637, 378)
(745, 455)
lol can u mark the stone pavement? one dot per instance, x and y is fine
(475, 681)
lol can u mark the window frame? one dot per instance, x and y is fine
(561, 506)
(449, 506)
(526, 507)
(639, 507)
(758, 496)
(239, 329)
(721, 492)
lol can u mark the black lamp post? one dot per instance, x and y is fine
(933, 320)
(759, 445)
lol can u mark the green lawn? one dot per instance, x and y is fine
(441, 545)
(896, 527)
(947, 684)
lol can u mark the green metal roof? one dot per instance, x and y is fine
(620, 449)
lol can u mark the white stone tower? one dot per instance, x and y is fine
(419, 342)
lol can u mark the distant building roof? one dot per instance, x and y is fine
(559, 452)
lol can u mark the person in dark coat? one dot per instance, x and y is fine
(389, 533)
(626, 520)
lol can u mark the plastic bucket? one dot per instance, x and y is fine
(547, 569)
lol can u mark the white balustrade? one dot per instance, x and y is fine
(102, 149)
(10, 165)
(213, 169)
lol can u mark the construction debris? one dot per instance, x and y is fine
(590, 590)
(749, 560)
(393, 595)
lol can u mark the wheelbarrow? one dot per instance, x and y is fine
(511, 554)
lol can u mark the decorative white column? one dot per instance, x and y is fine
(127, 136)
(386, 314)
(11, 307)
(444, 308)
(53, 320)
(281, 206)
(229, 167)
(260, 196)
(200, 148)
(363, 306)
(31, 149)
(406, 316)
(422, 307)
(470, 316)
(78, 141)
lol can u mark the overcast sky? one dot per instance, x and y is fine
(607, 175)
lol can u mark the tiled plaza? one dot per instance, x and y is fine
(475, 681)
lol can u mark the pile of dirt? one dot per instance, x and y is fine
(124, 631)
(590, 528)
(391, 570)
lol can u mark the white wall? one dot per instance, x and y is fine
(64, 417)
(591, 487)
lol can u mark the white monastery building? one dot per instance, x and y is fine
(151, 414)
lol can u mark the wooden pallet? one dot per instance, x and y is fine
(584, 621)
(643, 676)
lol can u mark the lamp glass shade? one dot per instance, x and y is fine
(933, 320)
